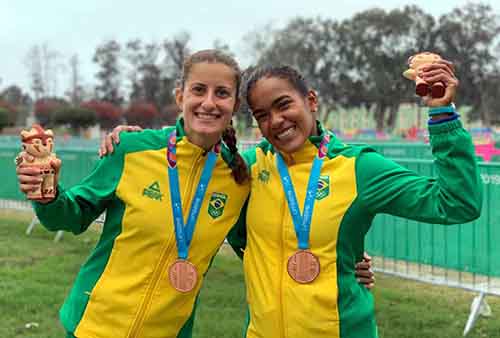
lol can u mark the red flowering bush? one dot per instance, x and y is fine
(108, 114)
(141, 113)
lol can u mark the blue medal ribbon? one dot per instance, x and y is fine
(184, 232)
(302, 223)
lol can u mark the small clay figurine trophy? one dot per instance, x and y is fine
(417, 61)
(37, 152)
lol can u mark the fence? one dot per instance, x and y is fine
(465, 256)
(62, 142)
(388, 149)
(77, 163)
(404, 150)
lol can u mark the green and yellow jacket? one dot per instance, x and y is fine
(356, 183)
(123, 290)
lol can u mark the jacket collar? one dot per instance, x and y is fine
(182, 140)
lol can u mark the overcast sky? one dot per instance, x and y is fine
(77, 27)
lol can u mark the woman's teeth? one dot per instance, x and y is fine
(204, 116)
(286, 133)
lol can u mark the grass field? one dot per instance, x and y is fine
(35, 275)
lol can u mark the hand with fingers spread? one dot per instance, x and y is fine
(113, 138)
(364, 272)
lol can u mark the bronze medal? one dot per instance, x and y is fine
(303, 266)
(183, 275)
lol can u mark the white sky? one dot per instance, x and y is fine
(72, 27)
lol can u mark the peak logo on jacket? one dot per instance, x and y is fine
(153, 191)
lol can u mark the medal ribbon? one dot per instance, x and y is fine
(184, 232)
(302, 223)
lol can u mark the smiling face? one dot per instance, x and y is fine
(208, 100)
(285, 117)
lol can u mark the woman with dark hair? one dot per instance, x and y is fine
(319, 197)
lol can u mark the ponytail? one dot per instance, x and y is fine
(238, 166)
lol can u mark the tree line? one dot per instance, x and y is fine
(352, 63)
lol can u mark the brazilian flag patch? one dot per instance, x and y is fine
(216, 204)
(323, 187)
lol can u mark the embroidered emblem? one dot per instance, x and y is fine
(216, 204)
(264, 176)
(323, 187)
(153, 191)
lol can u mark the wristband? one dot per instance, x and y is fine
(449, 109)
(453, 117)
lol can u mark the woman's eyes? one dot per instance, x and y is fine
(260, 117)
(284, 105)
(198, 89)
(222, 93)
(219, 92)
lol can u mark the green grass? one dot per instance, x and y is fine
(35, 275)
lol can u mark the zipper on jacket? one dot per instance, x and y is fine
(137, 326)
(282, 267)
(161, 266)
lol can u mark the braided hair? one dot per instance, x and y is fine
(238, 166)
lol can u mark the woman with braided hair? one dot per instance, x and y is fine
(170, 201)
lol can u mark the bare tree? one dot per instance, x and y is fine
(258, 41)
(133, 54)
(44, 66)
(33, 61)
(75, 92)
(145, 73)
(52, 67)
(176, 49)
(107, 56)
